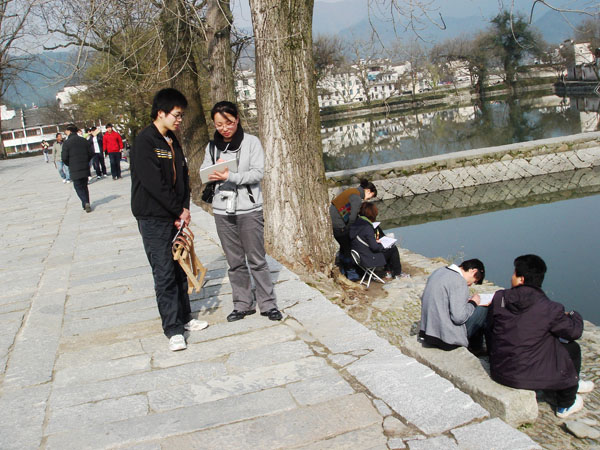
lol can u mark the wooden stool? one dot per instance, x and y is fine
(183, 252)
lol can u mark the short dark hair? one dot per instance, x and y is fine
(108, 125)
(532, 268)
(474, 264)
(58, 134)
(224, 107)
(167, 99)
(72, 128)
(369, 210)
(366, 184)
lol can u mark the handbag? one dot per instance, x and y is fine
(208, 192)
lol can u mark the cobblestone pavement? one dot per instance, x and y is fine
(84, 363)
(393, 312)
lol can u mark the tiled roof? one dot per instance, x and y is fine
(36, 117)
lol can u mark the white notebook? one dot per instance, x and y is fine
(219, 167)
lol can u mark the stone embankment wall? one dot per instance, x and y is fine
(474, 167)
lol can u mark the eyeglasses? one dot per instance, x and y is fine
(179, 116)
(225, 125)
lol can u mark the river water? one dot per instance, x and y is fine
(556, 216)
(409, 135)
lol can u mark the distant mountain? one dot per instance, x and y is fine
(331, 18)
(46, 75)
(556, 27)
(428, 36)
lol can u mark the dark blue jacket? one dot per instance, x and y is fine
(362, 236)
(524, 326)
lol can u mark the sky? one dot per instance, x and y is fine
(451, 8)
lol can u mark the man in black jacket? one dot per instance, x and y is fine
(77, 153)
(532, 339)
(95, 137)
(160, 201)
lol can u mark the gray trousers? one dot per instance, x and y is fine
(242, 238)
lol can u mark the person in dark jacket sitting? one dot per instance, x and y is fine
(364, 238)
(531, 339)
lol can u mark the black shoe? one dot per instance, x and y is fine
(239, 315)
(272, 314)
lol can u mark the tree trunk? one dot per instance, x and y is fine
(177, 38)
(220, 67)
(297, 223)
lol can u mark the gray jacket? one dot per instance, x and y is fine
(251, 164)
(445, 306)
(57, 151)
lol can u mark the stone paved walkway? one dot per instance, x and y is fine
(84, 364)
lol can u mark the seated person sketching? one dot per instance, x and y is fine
(364, 238)
(531, 339)
(450, 317)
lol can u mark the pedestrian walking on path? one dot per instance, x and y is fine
(113, 145)
(45, 147)
(237, 207)
(160, 201)
(95, 137)
(63, 170)
(77, 154)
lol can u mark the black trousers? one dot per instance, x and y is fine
(81, 188)
(170, 281)
(392, 260)
(342, 236)
(115, 164)
(566, 397)
(99, 165)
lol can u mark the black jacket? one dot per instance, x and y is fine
(524, 326)
(77, 153)
(361, 233)
(153, 193)
(98, 138)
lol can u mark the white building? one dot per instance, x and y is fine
(24, 130)
(64, 97)
(584, 62)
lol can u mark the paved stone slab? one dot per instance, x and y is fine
(494, 434)
(163, 357)
(135, 384)
(176, 422)
(89, 414)
(104, 370)
(267, 355)
(234, 385)
(299, 426)
(369, 438)
(321, 389)
(416, 393)
(437, 443)
(22, 415)
(97, 353)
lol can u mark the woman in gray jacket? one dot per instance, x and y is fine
(237, 208)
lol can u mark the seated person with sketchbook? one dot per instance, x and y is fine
(450, 316)
(531, 339)
(370, 243)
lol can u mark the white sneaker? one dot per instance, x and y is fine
(195, 325)
(177, 343)
(585, 387)
(64, 181)
(575, 407)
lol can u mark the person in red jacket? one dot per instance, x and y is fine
(113, 144)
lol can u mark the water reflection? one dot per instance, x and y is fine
(417, 134)
(486, 198)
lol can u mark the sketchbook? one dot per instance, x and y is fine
(219, 167)
(387, 241)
